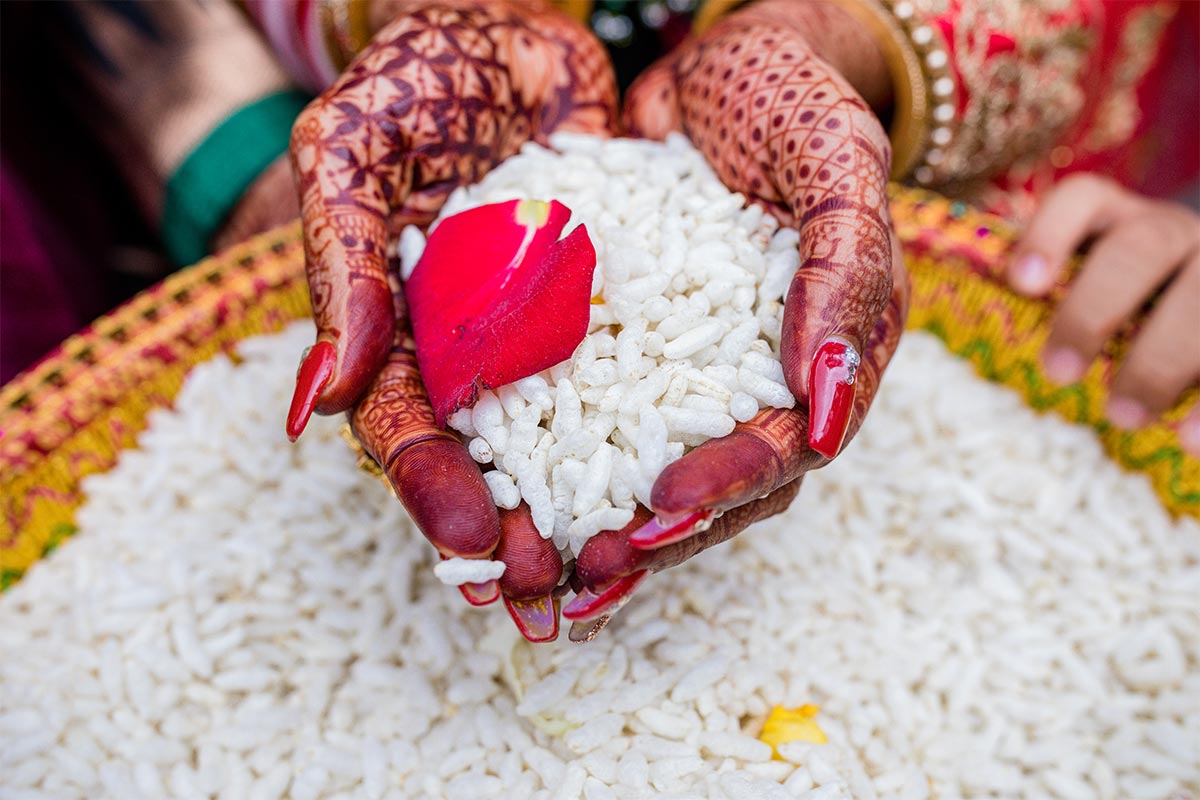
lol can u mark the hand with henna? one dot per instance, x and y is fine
(444, 92)
(769, 96)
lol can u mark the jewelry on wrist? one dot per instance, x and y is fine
(938, 112)
(347, 29)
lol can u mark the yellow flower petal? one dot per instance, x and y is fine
(792, 725)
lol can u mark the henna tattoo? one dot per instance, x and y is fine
(779, 124)
(609, 556)
(442, 94)
(759, 456)
(725, 527)
(424, 464)
(771, 450)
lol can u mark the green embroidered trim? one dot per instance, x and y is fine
(211, 180)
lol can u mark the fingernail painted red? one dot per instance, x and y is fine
(831, 396)
(315, 371)
(589, 605)
(536, 618)
(658, 533)
(481, 594)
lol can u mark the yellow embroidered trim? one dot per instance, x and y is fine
(72, 414)
(956, 257)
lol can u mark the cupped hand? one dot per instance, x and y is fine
(1138, 247)
(443, 93)
(781, 125)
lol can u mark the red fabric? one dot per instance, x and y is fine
(1163, 154)
(1142, 131)
(40, 280)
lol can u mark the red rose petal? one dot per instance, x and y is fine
(497, 297)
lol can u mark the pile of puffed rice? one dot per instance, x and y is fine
(980, 603)
(684, 335)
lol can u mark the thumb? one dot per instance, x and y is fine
(344, 215)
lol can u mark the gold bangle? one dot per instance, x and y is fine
(936, 122)
(916, 63)
(711, 11)
(347, 29)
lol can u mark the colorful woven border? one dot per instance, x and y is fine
(74, 412)
(956, 256)
(71, 414)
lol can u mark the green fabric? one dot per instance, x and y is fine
(211, 180)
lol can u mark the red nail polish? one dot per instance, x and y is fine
(481, 594)
(658, 533)
(589, 605)
(536, 618)
(316, 368)
(831, 396)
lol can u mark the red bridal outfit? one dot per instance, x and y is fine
(996, 100)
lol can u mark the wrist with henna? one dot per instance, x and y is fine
(441, 96)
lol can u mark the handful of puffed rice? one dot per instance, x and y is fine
(682, 342)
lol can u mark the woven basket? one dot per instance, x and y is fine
(72, 413)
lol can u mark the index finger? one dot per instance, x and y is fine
(344, 209)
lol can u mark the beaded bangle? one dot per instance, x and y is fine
(940, 88)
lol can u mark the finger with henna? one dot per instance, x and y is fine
(345, 233)
(534, 569)
(425, 464)
(763, 454)
(610, 568)
(780, 124)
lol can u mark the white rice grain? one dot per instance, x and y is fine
(457, 571)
